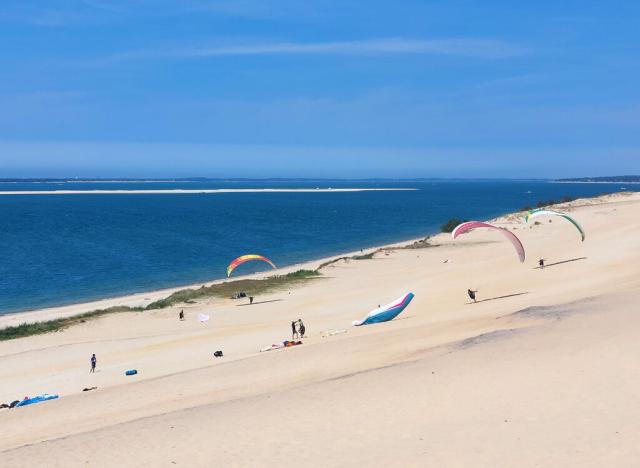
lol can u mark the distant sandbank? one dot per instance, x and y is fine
(196, 191)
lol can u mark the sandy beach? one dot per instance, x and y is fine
(197, 191)
(542, 371)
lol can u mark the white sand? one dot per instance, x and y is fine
(198, 191)
(446, 384)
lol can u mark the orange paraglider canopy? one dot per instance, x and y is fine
(244, 259)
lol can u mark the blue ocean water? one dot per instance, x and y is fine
(63, 249)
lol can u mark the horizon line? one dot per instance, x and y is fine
(76, 179)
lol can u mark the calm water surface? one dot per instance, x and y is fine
(62, 249)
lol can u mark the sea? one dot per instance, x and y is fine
(63, 249)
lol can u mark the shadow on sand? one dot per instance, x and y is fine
(560, 263)
(258, 302)
(402, 318)
(497, 298)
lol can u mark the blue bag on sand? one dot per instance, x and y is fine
(131, 372)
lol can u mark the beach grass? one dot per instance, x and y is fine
(368, 256)
(252, 287)
(419, 244)
(48, 326)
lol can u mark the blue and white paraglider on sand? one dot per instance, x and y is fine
(387, 312)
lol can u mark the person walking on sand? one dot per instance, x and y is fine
(250, 300)
(301, 327)
(181, 315)
(94, 361)
(541, 263)
(472, 295)
(294, 331)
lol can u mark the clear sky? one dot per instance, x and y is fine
(326, 88)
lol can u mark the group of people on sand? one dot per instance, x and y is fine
(297, 329)
(181, 314)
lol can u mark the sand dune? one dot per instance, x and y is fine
(542, 373)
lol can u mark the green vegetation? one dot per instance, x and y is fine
(544, 204)
(368, 256)
(37, 328)
(450, 225)
(548, 203)
(252, 287)
(420, 244)
(331, 262)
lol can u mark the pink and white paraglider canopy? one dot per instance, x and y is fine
(471, 225)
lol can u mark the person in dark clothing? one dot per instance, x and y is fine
(294, 331)
(301, 327)
(541, 263)
(94, 361)
(181, 315)
(250, 300)
(472, 295)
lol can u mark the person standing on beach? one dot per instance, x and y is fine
(294, 331)
(472, 295)
(94, 361)
(250, 300)
(181, 315)
(301, 327)
(541, 263)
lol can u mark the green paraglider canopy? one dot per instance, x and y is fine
(545, 212)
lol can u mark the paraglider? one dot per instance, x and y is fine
(511, 237)
(544, 212)
(246, 258)
(386, 313)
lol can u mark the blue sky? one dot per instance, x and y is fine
(264, 88)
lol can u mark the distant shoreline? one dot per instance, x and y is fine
(607, 182)
(199, 191)
(144, 298)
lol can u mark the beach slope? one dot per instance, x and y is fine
(541, 372)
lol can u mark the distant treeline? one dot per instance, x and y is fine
(612, 179)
